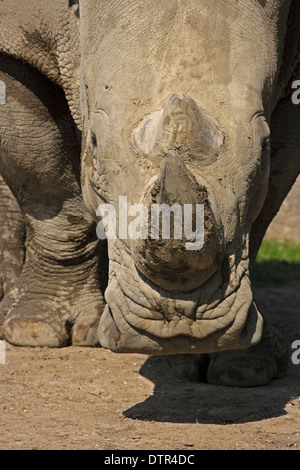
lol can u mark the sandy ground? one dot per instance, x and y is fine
(89, 398)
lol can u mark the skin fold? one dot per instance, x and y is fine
(173, 103)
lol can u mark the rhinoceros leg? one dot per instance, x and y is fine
(12, 237)
(59, 298)
(269, 359)
(251, 367)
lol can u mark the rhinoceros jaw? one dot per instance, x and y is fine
(141, 317)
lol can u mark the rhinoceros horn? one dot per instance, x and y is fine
(184, 248)
(183, 125)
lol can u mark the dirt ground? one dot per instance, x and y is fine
(90, 398)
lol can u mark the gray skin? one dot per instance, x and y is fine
(11, 241)
(176, 102)
(55, 297)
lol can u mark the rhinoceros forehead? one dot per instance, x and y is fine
(219, 33)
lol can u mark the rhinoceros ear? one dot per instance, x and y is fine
(2, 92)
(183, 126)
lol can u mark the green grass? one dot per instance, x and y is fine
(277, 263)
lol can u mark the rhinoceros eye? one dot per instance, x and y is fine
(266, 144)
(93, 140)
(261, 134)
(265, 154)
(74, 5)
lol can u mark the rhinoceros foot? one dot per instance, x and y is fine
(53, 324)
(251, 367)
(68, 314)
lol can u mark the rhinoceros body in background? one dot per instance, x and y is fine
(180, 103)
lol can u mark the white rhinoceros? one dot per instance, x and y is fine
(128, 106)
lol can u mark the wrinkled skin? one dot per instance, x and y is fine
(197, 55)
(177, 102)
(55, 297)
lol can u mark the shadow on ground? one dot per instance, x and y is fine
(276, 272)
(179, 401)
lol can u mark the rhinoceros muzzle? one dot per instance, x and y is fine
(141, 317)
(179, 288)
(181, 131)
(170, 257)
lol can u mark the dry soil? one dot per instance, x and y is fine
(90, 398)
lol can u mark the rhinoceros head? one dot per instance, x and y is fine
(176, 100)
